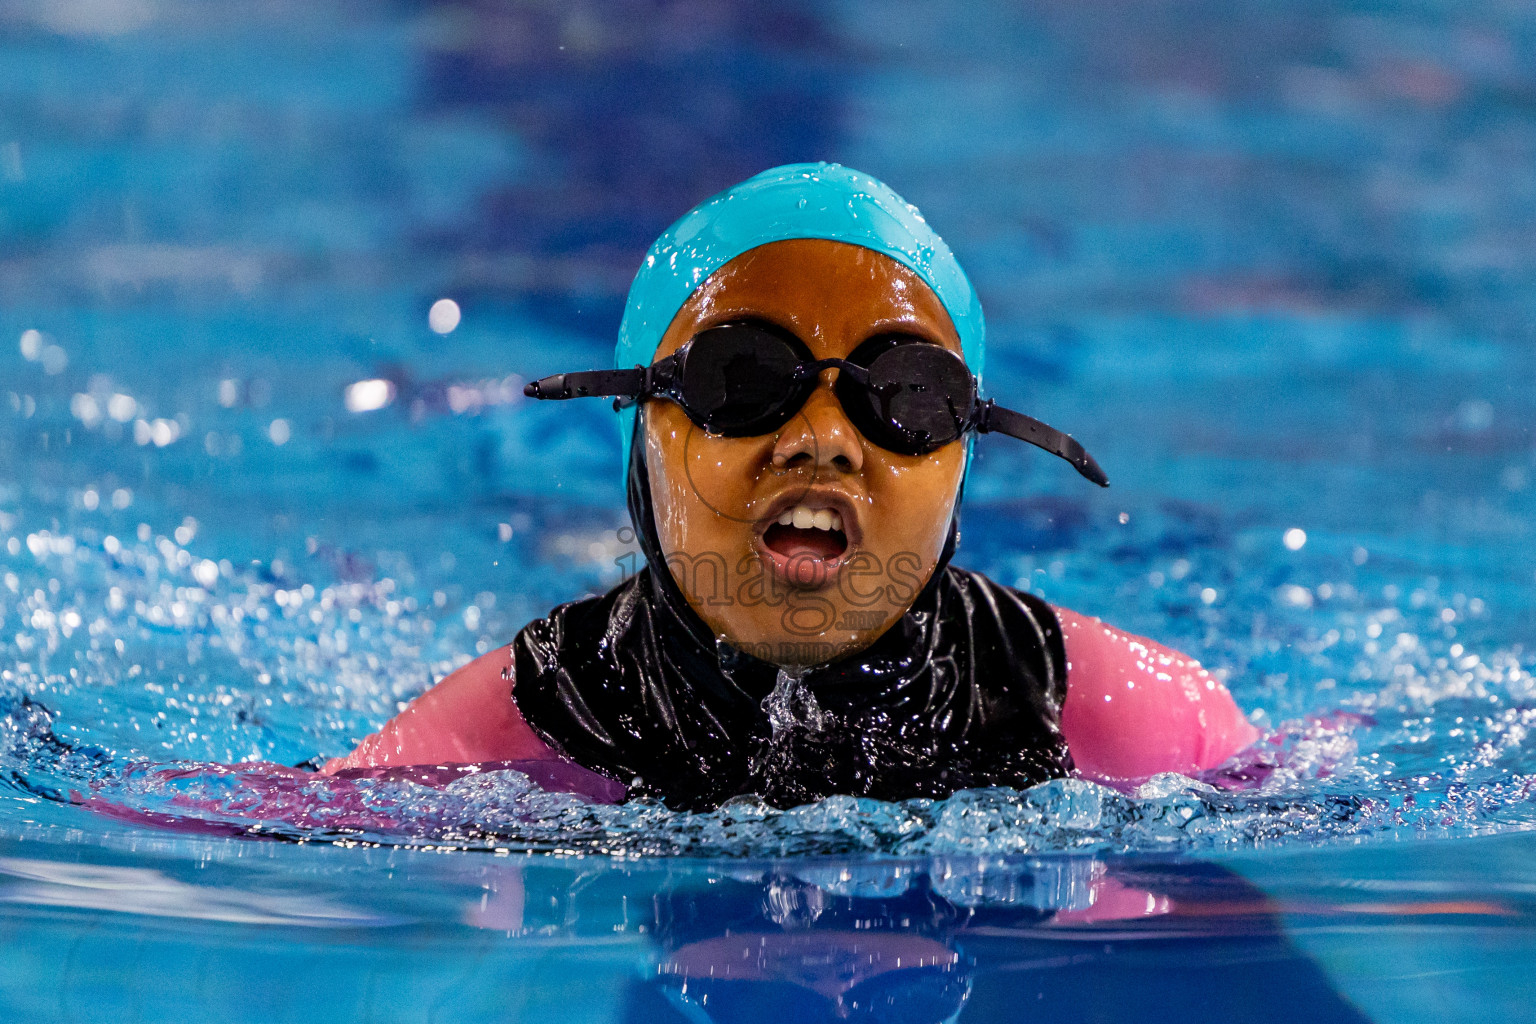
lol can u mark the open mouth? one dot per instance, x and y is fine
(805, 532)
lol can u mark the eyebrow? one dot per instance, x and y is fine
(743, 317)
(903, 326)
(912, 329)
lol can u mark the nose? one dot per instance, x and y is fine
(820, 436)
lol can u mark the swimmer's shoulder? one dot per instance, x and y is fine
(467, 718)
(1135, 708)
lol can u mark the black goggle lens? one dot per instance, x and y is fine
(740, 380)
(919, 397)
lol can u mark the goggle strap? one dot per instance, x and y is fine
(993, 418)
(588, 384)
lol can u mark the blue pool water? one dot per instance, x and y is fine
(1273, 264)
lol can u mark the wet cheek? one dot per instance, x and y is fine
(670, 493)
(913, 481)
(694, 492)
(910, 504)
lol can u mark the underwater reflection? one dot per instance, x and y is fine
(980, 941)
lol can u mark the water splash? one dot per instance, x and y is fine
(792, 706)
(1302, 785)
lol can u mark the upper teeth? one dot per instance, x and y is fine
(802, 517)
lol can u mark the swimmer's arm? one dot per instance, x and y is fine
(1135, 708)
(468, 718)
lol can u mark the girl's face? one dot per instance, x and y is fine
(866, 525)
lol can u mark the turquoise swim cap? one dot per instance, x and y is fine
(794, 201)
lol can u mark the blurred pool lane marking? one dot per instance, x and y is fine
(148, 892)
(134, 265)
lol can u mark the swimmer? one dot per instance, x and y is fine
(797, 381)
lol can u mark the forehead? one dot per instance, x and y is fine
(833, 295)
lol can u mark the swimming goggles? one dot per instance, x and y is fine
(748, 377)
